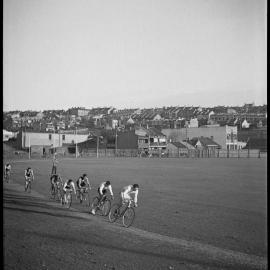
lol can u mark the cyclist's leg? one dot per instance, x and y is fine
(26, 184)
(65, 196)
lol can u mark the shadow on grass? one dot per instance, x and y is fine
(98, 242)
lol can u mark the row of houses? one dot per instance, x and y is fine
(146, 140)
(165, 117)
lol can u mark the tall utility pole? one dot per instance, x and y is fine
(186, 130)
(53, 138)
(115, 140)
(97, 144)
(76, 142)
(29, 146)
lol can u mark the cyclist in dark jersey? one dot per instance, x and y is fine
(29, 176)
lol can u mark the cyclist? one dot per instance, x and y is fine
(55, 180)
(68, 186)
(29, 176)
(102, 191)
(127, 191)
(55, 161)
(83, 184)
(7, 169)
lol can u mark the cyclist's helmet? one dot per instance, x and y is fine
(29, 168)
(84, 175)
(135, 186)
(107, 183)
(7, 164)
(70, 180)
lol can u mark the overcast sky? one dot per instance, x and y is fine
(133, 53)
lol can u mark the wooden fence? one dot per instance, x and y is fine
(112, 153)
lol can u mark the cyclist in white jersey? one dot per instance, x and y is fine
(68, 186)
(103, 188)
(129, 190)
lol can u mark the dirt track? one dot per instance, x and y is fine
(39, 234)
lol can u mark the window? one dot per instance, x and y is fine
(50, 136)
(146, 140)
(63, 137)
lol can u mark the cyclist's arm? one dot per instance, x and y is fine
(110, 189)
(79, 183)
(136, 197)
(64, 186)
(88, 183)
(73, 186)
(61, 181)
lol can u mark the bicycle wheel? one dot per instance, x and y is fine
(29, 186)
(114, 212)
(128, 217)
(81, 196)
(7, 177)
(94, 204)
(106, 207)
(58, 195)
(69, 200)
(53, 193)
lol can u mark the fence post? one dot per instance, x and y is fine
(238, 154)
(259, 156)
(228, 153)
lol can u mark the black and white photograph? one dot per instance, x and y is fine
(135, 135)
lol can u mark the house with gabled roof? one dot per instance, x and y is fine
(177, 149)
(204, 143)
(147, 140)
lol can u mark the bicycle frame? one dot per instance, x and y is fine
(28, 183)
(7, 175)
(120, 212)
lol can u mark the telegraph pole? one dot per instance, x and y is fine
(76, 142)
(97, 144)
(29, 147)
(115, 140)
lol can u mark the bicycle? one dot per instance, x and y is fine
(83, 194)
(28, 184)
(56, 191)
(125, 211)
(7, 176)
(68, 200)
(102, 206)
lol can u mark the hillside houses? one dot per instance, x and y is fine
(179, 122)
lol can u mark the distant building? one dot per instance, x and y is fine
(221, 135)
(193, 123)
(177, 149)
(27, 138)
(245, 124)
(204, 143)
(8, 135)
(143, 139)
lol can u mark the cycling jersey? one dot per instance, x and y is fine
(83, 182)
(103, 189)
(68, 186)
(55, 178)
(127, 191)
(28, 173)
(7, 168)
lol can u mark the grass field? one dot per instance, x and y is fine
(221, 202)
